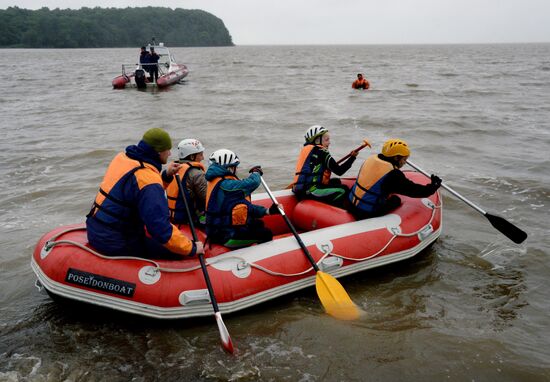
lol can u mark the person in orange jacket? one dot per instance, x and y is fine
(131, 198)
(360, 83)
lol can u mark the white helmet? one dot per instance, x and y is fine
(188, 147)
(224, 157)
(314, 132)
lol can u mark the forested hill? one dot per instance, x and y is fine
(110, 27)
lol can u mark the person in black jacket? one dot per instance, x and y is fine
(145, 59)
(380, 178)
(154, 67)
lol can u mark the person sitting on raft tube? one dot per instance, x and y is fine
(231, 219)
(380, 178)
(314, 167)
(191, 172)
(131, 198)
(360, 83)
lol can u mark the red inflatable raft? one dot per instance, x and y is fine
(67, 267)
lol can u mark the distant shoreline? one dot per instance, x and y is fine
(110, 28)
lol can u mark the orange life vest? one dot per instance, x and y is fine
(119, 216)
(360, 84)
(178, 213)
(311, 169)
(225, 209)
(366, 193)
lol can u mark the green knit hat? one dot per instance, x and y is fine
(158, 139)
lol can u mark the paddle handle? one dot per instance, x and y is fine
(187, 210)
(224, 333)
(289, 224)
(468, 202)
(349, 154)
(195, 239)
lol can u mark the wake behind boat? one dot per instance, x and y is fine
(66, 266)
(137, 75)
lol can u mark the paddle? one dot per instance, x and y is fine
(508, 229)
(365, 144)
(357, 149)
(332, 294)
(224, 334)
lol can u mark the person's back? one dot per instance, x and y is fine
(154, 59)
(380, 178)
(192, 175)
(231, 218)
(132, 199)
(143, 55)
(144, 58)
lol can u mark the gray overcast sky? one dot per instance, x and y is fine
(355, 21)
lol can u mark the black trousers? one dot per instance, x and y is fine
(391, 204)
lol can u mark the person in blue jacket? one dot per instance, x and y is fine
(132, 199)
(231, 219)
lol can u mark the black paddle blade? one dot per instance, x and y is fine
(511, 231)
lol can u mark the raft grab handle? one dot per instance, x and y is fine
(194, 297)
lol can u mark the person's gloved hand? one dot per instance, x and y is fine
(436, 181)
(257, 169)
(274, 210)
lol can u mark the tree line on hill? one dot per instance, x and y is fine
(110, 27)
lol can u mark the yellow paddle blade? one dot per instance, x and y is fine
(334, 298)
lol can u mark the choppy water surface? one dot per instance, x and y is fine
(474, 306)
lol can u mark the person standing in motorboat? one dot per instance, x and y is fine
(154, 60)
(231, 219)
(314, 167)
(144, 56)
(360, 83)
(131, 199)
(144, 60)
(191, 173)
(380, 178)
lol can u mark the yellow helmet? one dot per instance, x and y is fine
(393, 147)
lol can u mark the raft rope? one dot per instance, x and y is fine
(52, 242)
(326, 254)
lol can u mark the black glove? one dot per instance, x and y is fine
(436, 181)
(274, 210)
(257, 169)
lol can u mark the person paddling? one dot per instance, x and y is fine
(360, 83)
(231, 219)
(380, 178)
(314, 167)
